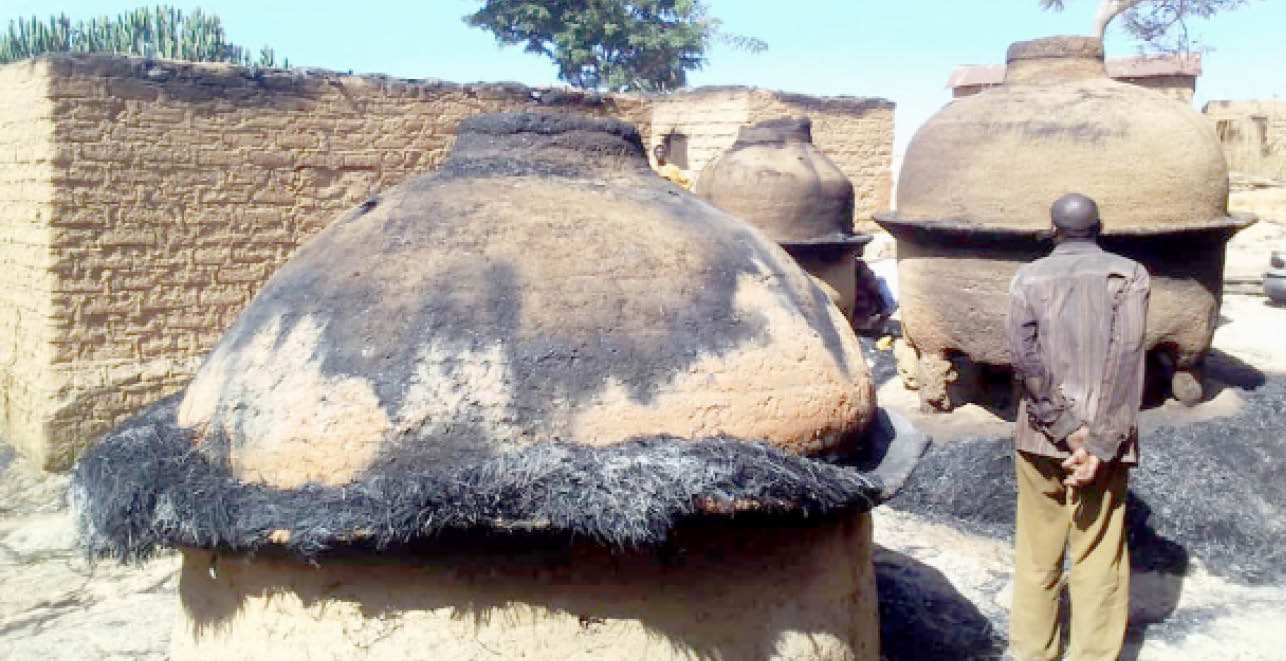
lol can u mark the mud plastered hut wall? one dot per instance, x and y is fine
(1253, 134)
(854, 132)
(145, 202)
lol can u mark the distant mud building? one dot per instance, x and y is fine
(1172, 75)
(143, 203)
(1253, 134)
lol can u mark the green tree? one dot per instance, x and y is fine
(616, 45)
(160, 31)
(1159, 24)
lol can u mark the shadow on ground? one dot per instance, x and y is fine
(923, 617)
(1158, 566)
(1230, 371)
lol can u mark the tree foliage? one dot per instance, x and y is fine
(617, 45)
(160, 31)
(1159, 24)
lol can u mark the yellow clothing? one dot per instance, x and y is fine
(673, 173)
(1090, 528)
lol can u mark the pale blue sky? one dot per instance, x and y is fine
(901, 50)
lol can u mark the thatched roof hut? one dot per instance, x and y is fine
(539, 401)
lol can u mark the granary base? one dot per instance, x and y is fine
(834, 265)
(719, 591)
(954, 285)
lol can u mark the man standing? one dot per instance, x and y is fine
(1075, 326)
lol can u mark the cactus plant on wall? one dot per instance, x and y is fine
(160, 31)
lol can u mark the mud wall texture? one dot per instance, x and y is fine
(27, 321)
(145, 202)
(1253, 134)
(854, 132)
(806, 594)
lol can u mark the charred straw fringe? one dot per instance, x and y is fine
(145, 486)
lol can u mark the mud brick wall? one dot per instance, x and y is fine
(1253, 134)
(173, 191)
(856, 133)
(27, 320)
(708, 118)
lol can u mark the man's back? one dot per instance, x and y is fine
(1076, 330)
(1077, 319)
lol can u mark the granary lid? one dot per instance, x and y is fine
(1058, 124)
(541, 336)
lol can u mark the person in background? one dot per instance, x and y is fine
(1076, 330)
(669, 170)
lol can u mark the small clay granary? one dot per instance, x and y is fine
(540, 403)
(774, 178)
(979, 177)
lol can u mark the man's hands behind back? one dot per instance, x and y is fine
(1082, 465)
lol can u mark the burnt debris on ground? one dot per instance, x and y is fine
(1210, 490)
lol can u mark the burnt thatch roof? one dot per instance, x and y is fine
(146, 486)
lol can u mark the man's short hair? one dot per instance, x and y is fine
(1075, 215)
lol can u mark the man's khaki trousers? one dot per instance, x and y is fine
(1088, 523)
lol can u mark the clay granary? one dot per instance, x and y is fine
(974, 195)
(540, 402)
(776, 179)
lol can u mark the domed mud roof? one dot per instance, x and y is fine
(774, 178)
(544, 285)
(1057, 125)
(541, 341)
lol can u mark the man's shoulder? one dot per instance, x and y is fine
(1121, 264)
(1040, 267)
(1060, 263)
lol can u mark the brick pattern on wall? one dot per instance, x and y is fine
(709, 117)
(26, 193)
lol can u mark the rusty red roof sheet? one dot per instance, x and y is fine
(1143, 66)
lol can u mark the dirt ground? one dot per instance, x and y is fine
(1247, 256)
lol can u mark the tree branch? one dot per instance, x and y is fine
(1108, 10)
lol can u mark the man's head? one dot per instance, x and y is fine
(1075, 217)
(660, 152)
